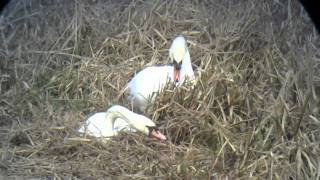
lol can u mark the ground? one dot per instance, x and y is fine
(253, 113)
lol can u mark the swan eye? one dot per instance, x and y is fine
(155, 133)
(152, 128)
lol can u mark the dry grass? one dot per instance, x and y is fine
(254, 112)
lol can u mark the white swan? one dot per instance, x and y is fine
(119, 118)
(147, 83)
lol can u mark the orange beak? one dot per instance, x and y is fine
(158, 135)
(176, 75)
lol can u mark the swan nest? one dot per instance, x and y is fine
(253, 112)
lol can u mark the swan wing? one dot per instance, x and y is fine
(122, 125)
(97, 126)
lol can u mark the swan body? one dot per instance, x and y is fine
(155, 79)
(116, 119)
(150, 81)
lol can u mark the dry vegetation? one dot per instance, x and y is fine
(254, 112)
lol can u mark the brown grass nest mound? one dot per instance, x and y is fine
(254, 112)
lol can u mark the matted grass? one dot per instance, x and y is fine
(254, 112)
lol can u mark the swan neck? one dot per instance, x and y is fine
(120, 112)
(186, 59)
(186, 68)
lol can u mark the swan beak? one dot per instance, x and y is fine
(176, 70)
(176, 75)
(158, 135)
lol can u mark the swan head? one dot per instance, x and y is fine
(148, 127)
(177, 53)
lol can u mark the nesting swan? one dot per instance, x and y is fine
(147, 83)
(116, 119)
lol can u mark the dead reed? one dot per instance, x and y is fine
(254, 112)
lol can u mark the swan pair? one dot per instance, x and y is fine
(142, 90)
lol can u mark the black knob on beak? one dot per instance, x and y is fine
(176, 65)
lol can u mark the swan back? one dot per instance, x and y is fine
(96, 125)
